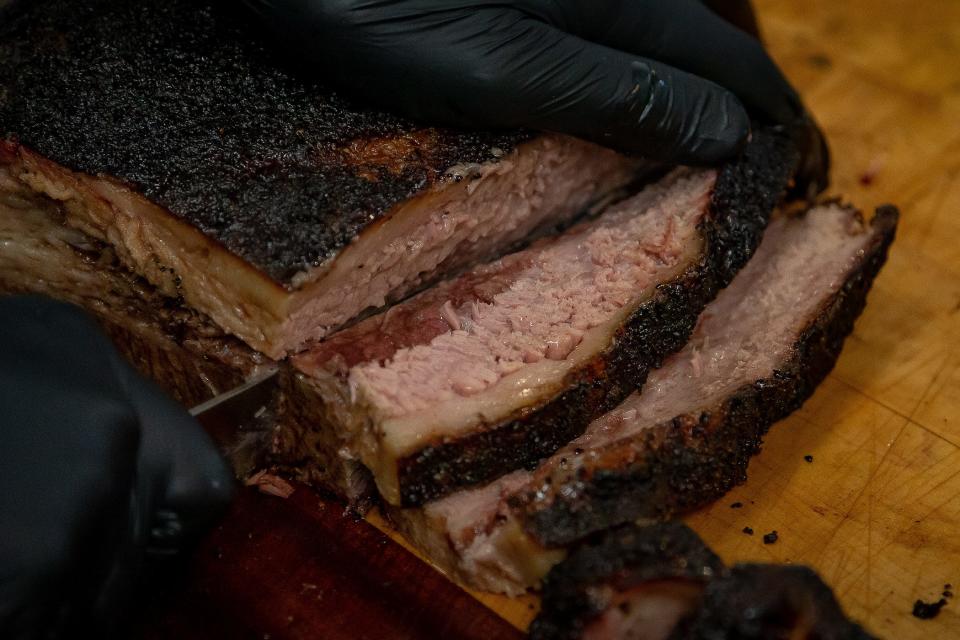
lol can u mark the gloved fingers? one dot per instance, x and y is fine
(689, 36)
(546, 79)
(507, 68)
(68, 459)
(725, 49)
(178, 468)
(60, 578)
(184, 483)
(109, 608)
(49, 329)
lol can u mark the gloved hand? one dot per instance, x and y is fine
(668, 79)
(98, 470)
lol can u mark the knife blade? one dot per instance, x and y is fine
(254, 388)
(240, 420)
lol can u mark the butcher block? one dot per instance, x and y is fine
(862, 483)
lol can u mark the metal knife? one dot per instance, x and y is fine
(241, 420)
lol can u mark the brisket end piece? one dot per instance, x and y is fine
(662, 583)
(176, 136)
(759, 350)
(632, 582)
(492, 371)
(697, 456)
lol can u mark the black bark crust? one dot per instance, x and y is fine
(755, 602)
(183, 101)
(747, 602)
(744, 196)
(696, 458)
(622, 558)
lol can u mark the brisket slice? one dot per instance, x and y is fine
(187, 355)
(662, 583)
(494, 370)
(759, 351)
(172, 134)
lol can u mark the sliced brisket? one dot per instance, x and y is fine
(257, 197)
(662, 583)
(758, 352)
(494, 370)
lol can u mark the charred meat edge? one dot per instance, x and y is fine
(748, 601)
(696, 458)
(759, 601)
(246, 146)
(745, 193)
(619, 559)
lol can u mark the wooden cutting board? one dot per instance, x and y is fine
(876, 512)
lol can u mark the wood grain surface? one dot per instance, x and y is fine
(876, 511)
(301, 569)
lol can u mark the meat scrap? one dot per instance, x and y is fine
(662, 583)
(270, 484)
(640, 580)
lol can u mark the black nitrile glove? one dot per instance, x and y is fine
(668, 79)
(98, 471)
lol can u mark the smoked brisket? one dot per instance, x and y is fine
(492, 371)
(237, 186)
(759, 351)
(702, 431)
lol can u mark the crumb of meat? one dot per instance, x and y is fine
(736, 505)
(808, 458)
(270, 484)
(748, 531)
(928, 610)
(770, 538)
